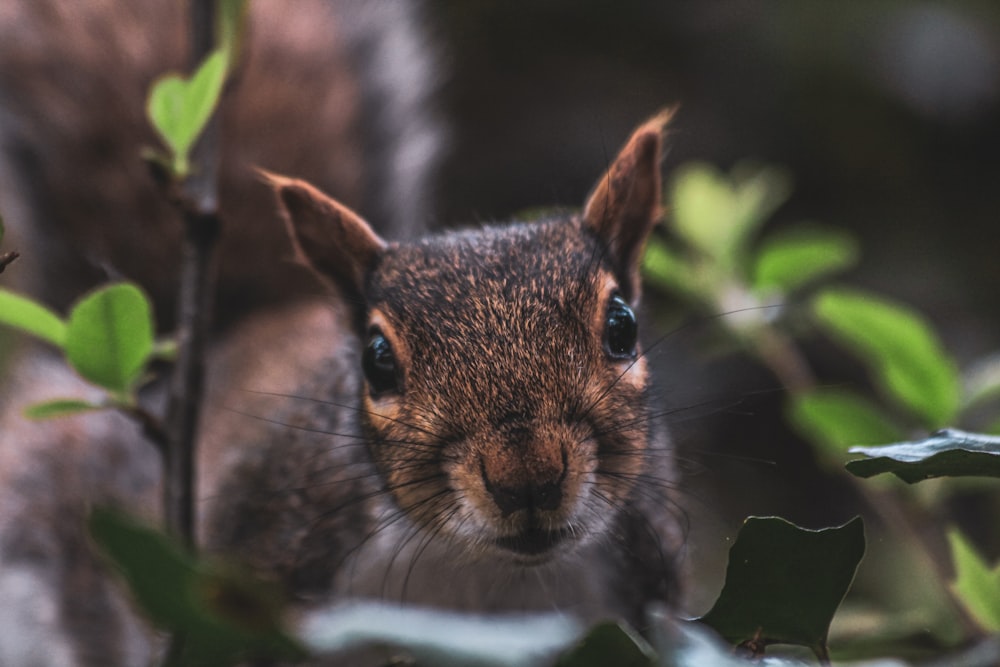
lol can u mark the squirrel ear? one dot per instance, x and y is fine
(625, 204)
(328, 237)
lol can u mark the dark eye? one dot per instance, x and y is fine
(621, 330)
(379, 365)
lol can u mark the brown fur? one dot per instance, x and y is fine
(512, 442)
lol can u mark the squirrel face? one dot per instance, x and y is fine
(504, 394)
(504, 401)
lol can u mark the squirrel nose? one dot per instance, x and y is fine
(532, 496)
(547, 496)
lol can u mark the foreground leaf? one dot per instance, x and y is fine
(179, 107)
(223, 618)
(31, 317)
(976, 584)
(440, 638)
(110, 336)
(947, 453)
(784, 583)
(899, 346)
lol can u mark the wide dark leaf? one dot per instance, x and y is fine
(784, 583)
(947, 453)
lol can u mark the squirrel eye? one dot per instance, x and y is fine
(379, 365)
(621, 330)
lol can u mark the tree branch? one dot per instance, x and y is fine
(198, 202)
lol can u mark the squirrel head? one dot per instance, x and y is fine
(504, 388)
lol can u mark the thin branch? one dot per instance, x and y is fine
(198, 201)
(780, 355)
(7, 258)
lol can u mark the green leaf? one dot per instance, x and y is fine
(838, 419)
(665, 268)
(179, 107)
(31, 317)
(440, 638)
(788, 261)
(610, 643)
(947, 453)
(223, 617)
(60, 407)
(717, 215)
(976, 584)
(110, 336)
(784, 583)
(899, 346)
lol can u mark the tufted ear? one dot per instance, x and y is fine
(625, 204)
(328, 237)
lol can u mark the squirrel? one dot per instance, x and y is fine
(470, 419)
(459, 421)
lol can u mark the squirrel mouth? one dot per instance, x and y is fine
(533, 543)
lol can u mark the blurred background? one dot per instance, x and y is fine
(887, 116)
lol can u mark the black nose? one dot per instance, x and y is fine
(537, 496)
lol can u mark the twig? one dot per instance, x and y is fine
(780, 355)
(7, 258)
(199, 204)
(198, 201)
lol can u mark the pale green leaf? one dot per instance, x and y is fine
(762, 190)
(717, 214)
(179, 107)
(899, 346)
(788, 261)
(838, 419)
(60, 407)
(31, 317)
(110, 336)
(976, 584)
